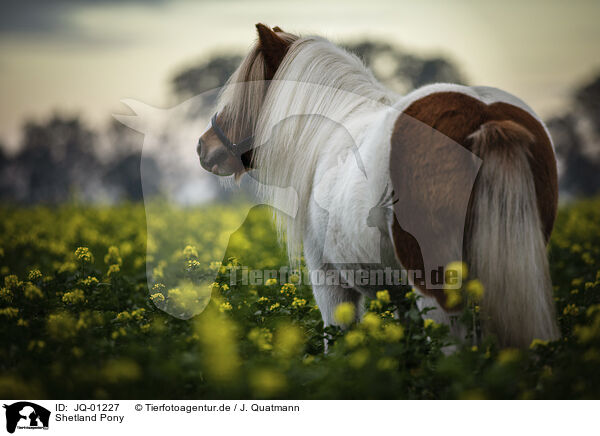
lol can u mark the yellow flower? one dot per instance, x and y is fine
(226, 306)
(298, 302)
(587, 258)
(308, 359)
(577, 281)
(157, 298)
(262, 338)
(113, 257)
(12, 282)
(193, 265)
(76, 296)
(113, 270)
(84, 255)
(538, 343)
(138, 314)
(393, 332)
(119, 332)
(358, 358)
(121, 370)
(267, 382)
(215, 265)
(571, 309)
(34, 275)
(189, 252)
(344, 313)
(61, 325)
(271, 282)
(371, 322)
(288, 289)
(592, 310)
(6, 295)
(31, 291)
(9, 312)
(275, 306)
(509, 355)
(429, 323)
(475, 289)
(587, 333)
(123, 316)
(410, 294)
(387, 364)
(89, 281)
(456, 272)
(375, 305)
(294, 278)
(383, 296)
(159, 287)
(453, 298)
(354, 338)
(289, 340)
(36, 344)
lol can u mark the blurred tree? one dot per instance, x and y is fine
(5, 161)
(62, 158)
(588, 97)
(576, 137)
(397, 69)
(403, 71)
(122, 174)
(55, 160)
(205, 76)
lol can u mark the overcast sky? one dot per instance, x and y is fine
(84, 56)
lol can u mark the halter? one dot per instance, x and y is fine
(235, 149)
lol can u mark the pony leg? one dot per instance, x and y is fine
(330, 297)
(440, 316)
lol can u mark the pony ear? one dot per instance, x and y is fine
(272, 47)
(277, 29)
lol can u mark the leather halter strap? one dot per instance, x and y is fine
(237, 149)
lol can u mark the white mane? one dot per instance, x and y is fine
(315, 78)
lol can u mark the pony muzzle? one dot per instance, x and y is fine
(215, 157)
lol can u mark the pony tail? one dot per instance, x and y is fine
(505, 246)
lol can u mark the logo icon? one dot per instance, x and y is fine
(26, 415)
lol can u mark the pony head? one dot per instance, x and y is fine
(240, 104)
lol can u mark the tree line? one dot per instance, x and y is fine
(62, 158)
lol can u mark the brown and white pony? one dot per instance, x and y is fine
(472, 167)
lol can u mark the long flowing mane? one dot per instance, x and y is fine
(316, 83)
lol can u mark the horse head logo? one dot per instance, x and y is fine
(25, 414)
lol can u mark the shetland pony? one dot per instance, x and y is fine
(503, 211)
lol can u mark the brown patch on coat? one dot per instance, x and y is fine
(457, 116)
